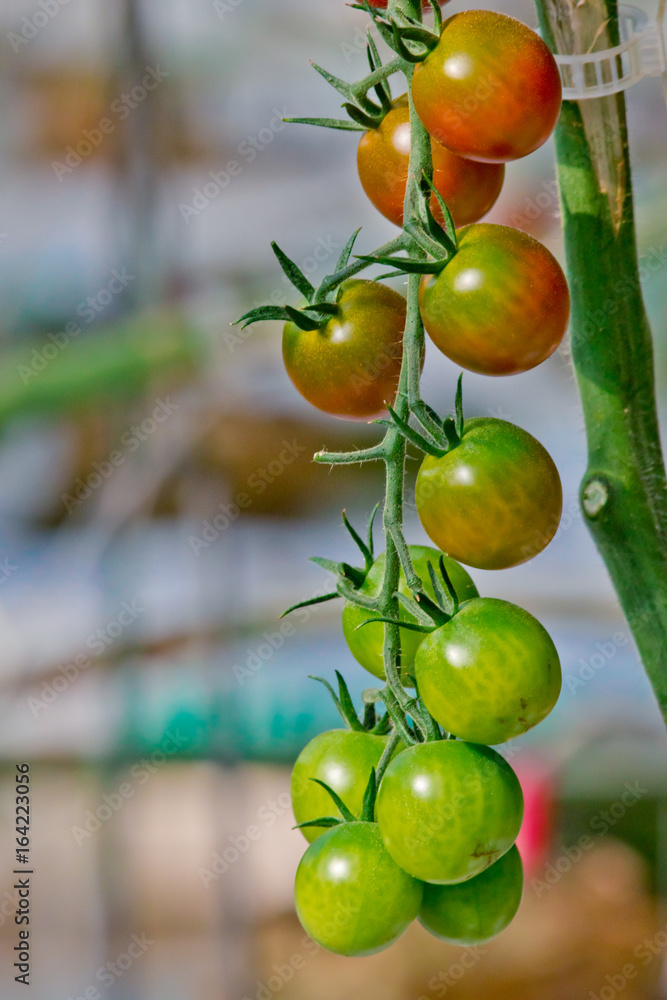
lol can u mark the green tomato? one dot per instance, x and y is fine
(493, 501)
(448, 809)
(366, 644)
(490, 673)
(475, 911)
(350, 896)
(343, 760)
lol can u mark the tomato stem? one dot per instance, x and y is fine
(624, 491)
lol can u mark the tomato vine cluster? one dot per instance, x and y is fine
(410, 812)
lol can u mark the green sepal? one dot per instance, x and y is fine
(338, 802)
(449, 585)
(450, 432)
(406, 265)
(294, 274)
(368, 805)
(458, 419)
(383, 726)
(382, 89)
(310, 601)
(345, 253)
(443, 600)
(424, 609)
(366, 121)
(341, 124)
(325, 308)
(326, 821)
(401, 49)
(370, 717)
(437, 17)
(394, 711)
(415, 438)
(435, 229)
(366, 550)
(343, 702)
(351, 573)
(393, 621)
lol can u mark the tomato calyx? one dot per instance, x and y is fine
(399, 28)
(443, 435)
(345, 706)
(367, 814)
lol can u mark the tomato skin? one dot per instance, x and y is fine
(495, 500)
(469, 189)
(350, 367)
(343, 760)
(448, 809)
(490, 673)
(366, 644)
(501, 306)
(475, 911)
(350, 896)
(490, 90)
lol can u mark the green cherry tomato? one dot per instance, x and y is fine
(448, 809)
(350, 367)
(366, 643)
(475, 911)
(490, 673)
(493, 501)
(501, 306)
(490, 90)
(469, 189)
(351, 897)
(343, 760)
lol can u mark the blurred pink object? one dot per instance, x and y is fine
(539, 792)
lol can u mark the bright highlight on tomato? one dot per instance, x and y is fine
(493, 501)
(490, 90)
(448, 809)
(490, 673)
(350, 367)
(350, 896)
(341, 759)
(500, 306)
(475, 911)
(366, 643)
(469, 189)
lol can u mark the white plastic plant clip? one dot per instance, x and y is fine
(641, 53)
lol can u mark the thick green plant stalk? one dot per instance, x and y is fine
(623, 493)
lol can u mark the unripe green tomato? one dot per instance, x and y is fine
(490, 673)
(473, 912)
(448, 809)
(494, 500)
(350, 896)
(341, 759)
(366, 643)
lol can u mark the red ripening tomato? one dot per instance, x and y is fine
(350, 366)
(468, 188)
(490, 90)
(500, 306)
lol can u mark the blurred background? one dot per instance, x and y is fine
(146, 677)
